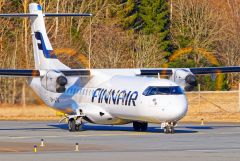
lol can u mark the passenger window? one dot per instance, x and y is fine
(83, 91)
(79, 92)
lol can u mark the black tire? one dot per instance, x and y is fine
(166, 130)
(71, 125)
(136, 126)
(172, 130)
(144, 126)
(140, 126)
(78, 127)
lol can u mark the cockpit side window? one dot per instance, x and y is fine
(153, 91)
(163, 90)
(147, 91)
(171, 90)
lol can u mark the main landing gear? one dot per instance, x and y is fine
(75, 124)
(168, 127)
(74, 121)
(140, 126)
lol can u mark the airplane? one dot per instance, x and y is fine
(106, 96)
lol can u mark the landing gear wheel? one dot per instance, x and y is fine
(166, 130)
(140, 126)
(169, 130)
(172, 130)
(78, 127)
(144, 126)
(136, 126)
(71, 125)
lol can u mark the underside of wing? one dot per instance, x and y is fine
(142, 72)
(38, 73)
(156, 71)
(196, 71)
(19, 73)
(215, 70)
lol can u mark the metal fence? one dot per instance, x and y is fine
(214, 105)
(214, 101)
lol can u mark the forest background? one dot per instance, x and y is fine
(125, 34)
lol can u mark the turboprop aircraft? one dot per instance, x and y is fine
(106, 96)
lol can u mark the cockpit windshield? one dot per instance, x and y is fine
(172, 90)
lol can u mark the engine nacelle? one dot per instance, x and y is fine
(54, 81)
(184, 78)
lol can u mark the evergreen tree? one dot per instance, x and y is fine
(149, 17)
(155, 18)
(130, 14)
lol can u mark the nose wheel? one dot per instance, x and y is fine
(169, 130)
(168, 127)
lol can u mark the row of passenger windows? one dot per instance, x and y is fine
(172, 90)
(82, 91)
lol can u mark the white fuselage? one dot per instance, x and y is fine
(115, 98)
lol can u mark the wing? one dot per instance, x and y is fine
(142, 72)
(215, 70)
(19, 73)
(45, 14)
(204, 70)
(38, 73)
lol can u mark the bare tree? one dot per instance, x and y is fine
(229, 46)
(196, 24)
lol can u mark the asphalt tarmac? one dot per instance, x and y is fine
(213, 142)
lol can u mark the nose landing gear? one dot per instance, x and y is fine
(168, 127)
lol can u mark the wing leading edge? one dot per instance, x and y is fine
(38, 73)
(203, 70)
(19, 73)
(215, 70)
(143, 72)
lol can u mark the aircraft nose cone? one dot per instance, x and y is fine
(181, 111)
(178, 110)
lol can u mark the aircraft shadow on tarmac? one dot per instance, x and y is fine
(93, 127)
(200, 127)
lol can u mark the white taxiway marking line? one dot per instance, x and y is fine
(72, 136)
(220, 133)
(213, 150)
